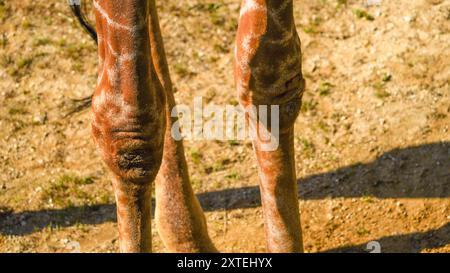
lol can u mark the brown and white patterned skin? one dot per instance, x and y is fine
(268, 72)
(129, 126)
(179, 216)
(131, 123)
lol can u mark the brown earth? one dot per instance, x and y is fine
(372, 142)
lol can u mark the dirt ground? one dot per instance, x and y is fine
(372, 141)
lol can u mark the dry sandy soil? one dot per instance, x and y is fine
(372, 142)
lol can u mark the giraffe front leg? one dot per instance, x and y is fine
(268, 72)
(129, 121)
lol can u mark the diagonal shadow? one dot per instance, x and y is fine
(27, 222)
(405, 243)
(414, 172)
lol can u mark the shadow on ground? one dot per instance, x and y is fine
(414, 172)
(409, 243)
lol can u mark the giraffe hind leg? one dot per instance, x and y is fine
(179, 216)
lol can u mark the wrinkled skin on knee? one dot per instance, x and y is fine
(268, 67)
(132, 156)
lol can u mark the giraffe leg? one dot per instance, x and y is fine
(179, 217)
(268, 72)
(129, 123)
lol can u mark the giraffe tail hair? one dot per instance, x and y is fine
(77, 11)
(75, 6)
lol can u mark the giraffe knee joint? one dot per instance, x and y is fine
(132, 157)
(136, 164)
(288, 97)
(291, 103)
